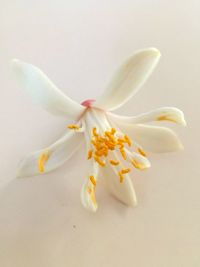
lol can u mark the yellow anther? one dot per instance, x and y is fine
(121, 176)
(138, 165)
(91, 191)
(124, 171)
(113, 131)
(94, 131)
(114, 162)
(93, 180)
(110, 145)
(110, 137)
(42, 161)
(141, 151)
(123, 153)
(128, 140)
(165, 118)
(101, 152)
(73, 127)
(90, 152)
(98, 160)
(121, 141)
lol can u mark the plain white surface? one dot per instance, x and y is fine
(79, 44)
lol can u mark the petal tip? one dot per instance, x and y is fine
(184, 123)
(14, 62)
(151, 51)
(134, 203)
(155, 51)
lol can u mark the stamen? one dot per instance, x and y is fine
(165, 118)
(98, 160)
(128, 140)
(42, 161)
(114, 162)
(121, 141)
(141, 151)
(138, 165)
(121, 176)
(124, 171)
(93, 180)
(73, 127)
(90, 152)
(113, 131)
(91, 191)
(123, 153)
(94, 131)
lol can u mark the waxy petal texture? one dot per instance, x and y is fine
(122, 190)
(153, 138)
(129, 78)
(44, 92)
(88, 191)
(168, 114)
(58, 153)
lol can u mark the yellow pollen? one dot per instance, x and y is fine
(114, 162)
(138, 165)
(124, 171)
(128, 140)
(73, 127)
(98, 160)
(95, 132)
(102, 144)
(121, 176)
(93, 180)
(113, 131)
(141, 151)
(121, 141)
(123, 153)
(110, 137)
(91, 191)
(90, 152)
(165, 118)
(42, 161)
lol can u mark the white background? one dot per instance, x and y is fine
(79, 44)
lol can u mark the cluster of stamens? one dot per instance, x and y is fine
(109, 141)
(101, 146)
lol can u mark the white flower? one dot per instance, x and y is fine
(115, 144)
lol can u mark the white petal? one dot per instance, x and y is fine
(88, 197)
(44, 92)
(153, 138)
(60, 152)
(122, 191)
(129, 78)
(170, 114)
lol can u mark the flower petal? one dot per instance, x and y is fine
(44, 92)
(152, 138)
(170, 114)
(57, 153)
(129, 78)
(122, 191)
(88, 197)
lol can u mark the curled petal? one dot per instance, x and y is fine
(50, 158)
(169, 114)
(129, 78)
(153, 138)
(88, 192)
(123, 191)
(44, 92)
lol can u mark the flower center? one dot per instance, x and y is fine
(88, 103)
(109, 141)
